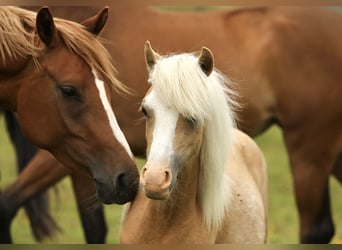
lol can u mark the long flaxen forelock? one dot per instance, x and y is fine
(16, 40)
(181, 84)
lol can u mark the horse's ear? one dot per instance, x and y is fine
(206, 61)
(96, 23)
(46, 27)
(150, 55)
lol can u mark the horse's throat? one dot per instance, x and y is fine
(184, 195)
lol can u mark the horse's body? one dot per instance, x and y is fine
(204, 181)
(285, 62)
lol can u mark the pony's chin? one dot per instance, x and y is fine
(164, 195)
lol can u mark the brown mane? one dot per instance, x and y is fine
(17, 40)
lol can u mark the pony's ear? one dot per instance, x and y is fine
(206, 61)
(150, 56)
(46, 27)
(96, 23)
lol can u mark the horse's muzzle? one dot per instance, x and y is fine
(156, 183)
(119, 190)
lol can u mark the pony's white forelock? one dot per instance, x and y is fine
(180, 82)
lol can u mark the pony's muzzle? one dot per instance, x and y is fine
(156, 182)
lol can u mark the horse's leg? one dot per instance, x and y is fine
(42, 172)
(313, 203)
(37, 207)
(311, 183)
(90, 210)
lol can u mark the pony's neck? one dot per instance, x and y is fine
(186, 189)
(180, 213)
(184, 196)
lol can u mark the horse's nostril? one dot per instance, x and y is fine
(122, 183)
(143, 171)
(122, 179)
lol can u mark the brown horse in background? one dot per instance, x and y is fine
(286, 65)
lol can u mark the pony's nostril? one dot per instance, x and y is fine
(143, 171)
(167, 176)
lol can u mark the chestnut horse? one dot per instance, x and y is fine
(286, 65)
(58, 78)
(204, 181)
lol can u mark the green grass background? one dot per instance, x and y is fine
(283, 218)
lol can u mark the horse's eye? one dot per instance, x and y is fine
(70, 92)
(192, 122)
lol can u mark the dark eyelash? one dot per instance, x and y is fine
(143, 110)
(192, 121)
(70, 92)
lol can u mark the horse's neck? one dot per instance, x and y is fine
(8, 94)
(156, 221)
(185, 191)
(12, 73)
(184, 194)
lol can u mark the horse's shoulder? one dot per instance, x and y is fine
(245, 166)
(245, 143)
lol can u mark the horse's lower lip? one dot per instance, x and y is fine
(114, 199)
(118, 201)
(109, 196)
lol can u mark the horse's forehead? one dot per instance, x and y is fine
(155, 102)
(147, 95)
(151, 99)
(163, 128)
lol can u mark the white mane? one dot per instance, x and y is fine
(181, 84)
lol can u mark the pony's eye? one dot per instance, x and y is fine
(192, 121)
(143, 110)
(70, 92)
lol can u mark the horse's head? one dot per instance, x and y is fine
(174, 131)
(63, 104)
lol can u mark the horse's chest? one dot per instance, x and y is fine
(149, 234)
(145, 225)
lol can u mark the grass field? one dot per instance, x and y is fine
(283, 219)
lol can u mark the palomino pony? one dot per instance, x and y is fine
(284, 74)
(58, 78)
(204, 180)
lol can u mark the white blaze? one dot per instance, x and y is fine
(111, 117)
(164, 130)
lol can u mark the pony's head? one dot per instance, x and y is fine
(62, 79)
(188, 122)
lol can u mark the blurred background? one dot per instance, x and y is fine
(283, 217)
